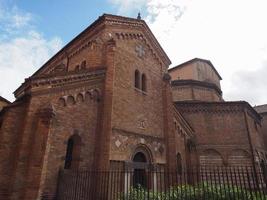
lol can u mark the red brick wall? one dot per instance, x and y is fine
(11, 133)
(264, 129)
(187, 93)
(217, 129)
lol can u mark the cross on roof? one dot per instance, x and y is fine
(140, 51)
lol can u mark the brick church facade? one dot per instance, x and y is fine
(107, 99)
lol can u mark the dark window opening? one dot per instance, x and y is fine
(83, 65)
(73, 152)
(140, 157)
(179, 163)
(137, 79)
(77, 68)
(139, 176)
(144, 82)
(69, 153)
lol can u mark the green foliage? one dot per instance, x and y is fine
(203, 191)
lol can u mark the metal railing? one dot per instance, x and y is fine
(205, 182)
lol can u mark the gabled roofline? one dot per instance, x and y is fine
(188, 126)
(98, 21)
(194, 60)
(5, 100)
(95, 23)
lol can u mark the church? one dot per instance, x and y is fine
(108, 100)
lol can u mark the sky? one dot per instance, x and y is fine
(232, 34)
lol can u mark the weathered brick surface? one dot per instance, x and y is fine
(264, 127)
(10, 137)
(112, 120)
(60, 105)
(132, 106)
(196, 69)
(223, 128)
(195, 93)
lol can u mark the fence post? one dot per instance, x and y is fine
(60, 172)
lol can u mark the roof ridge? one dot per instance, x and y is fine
(197, 59)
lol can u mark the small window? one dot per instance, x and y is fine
(179, 163)
(69, 152)
(73, 150)
(144, 82)
(77, 68)
(62, 102)
(137, 79)
(70, 100)
(83, 65)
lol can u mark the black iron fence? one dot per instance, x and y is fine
(205, 182)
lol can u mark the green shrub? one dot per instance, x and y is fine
(203, 191)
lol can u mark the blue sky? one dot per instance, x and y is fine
(64, 18)
(230, 33)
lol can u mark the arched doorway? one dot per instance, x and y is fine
(140, 164)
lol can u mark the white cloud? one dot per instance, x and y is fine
(232, 34)
(21, 20)
(250, 84)
(13, 20)
(22, 49)
(125, 6)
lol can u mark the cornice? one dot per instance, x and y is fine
(217, 107)
(49, 82)
(190, 82)
(125, 132)
(114, 20)
(183, 122)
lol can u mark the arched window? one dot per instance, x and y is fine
(179, 163)
(83, 65)
(68, 158)
(137, 79)
(62, 102)
(77, 67)
(70, 100)
(73, 152)
(144, 82)
(79, 98)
